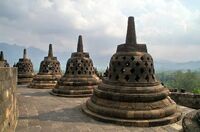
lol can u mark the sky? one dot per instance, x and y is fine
(170, 28)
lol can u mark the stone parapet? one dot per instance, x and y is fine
(186, 99)
(8, 108)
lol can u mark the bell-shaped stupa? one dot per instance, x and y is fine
(25, 69)
(3, 62)
(49, 72)
(79, 79)
(131, 94)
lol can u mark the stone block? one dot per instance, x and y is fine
(8, 111)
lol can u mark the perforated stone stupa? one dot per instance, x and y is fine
(131, 94)
(49, 72)
(3, 62)
(25, 69)
(79, 79)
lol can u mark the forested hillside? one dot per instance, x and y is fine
(188, 80)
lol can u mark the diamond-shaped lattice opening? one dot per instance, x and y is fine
(142, 58)
(137, 63)
(147, 78)
(79, 72)
(142, 70)
(51, 68)
(153, 77)
(132, 58)
(124, 58)
(149, 70)
(137, 78)
(151, 64)
(110, 76)
(127, 78)
(148, 58)
(73, 72)
(113, 63)
(127, 64)
(116, 58)
(132, 70)
(117, 77)
(118, 63)
(123, 70)
(146, 64)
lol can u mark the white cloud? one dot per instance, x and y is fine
(176, 53)
(165, 25)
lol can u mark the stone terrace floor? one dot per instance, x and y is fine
(41, 112)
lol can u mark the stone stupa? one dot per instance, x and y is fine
(131, 95)
(3, 62)
(25, 69)
(49, 72)
(191, 121)
(79, 79)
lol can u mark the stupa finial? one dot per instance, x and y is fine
(131, 34)
(80, 44)
(24, 54)
(1, 56)
(50, 54)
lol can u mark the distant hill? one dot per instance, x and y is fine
(173, 66)
(13, 52)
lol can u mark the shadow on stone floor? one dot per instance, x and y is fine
(37, 94)
(74, 114)
(32, 91)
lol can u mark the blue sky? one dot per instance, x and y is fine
(170, 28)
(191, 4)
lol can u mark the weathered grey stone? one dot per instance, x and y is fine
(191, 122)
(130, 94)
(186, 99)
(3, 62)
(49, 72)
(80, 78)
(8, 108)
(38, 109)
(25, 69)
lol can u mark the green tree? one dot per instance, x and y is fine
(188, 80)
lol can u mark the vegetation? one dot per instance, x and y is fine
(188, 80)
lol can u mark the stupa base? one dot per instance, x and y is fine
(44, 81)
(73, 92)
(132, 122)
(24, 81)
(190, 122)
(70, 95)
(42, 86)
